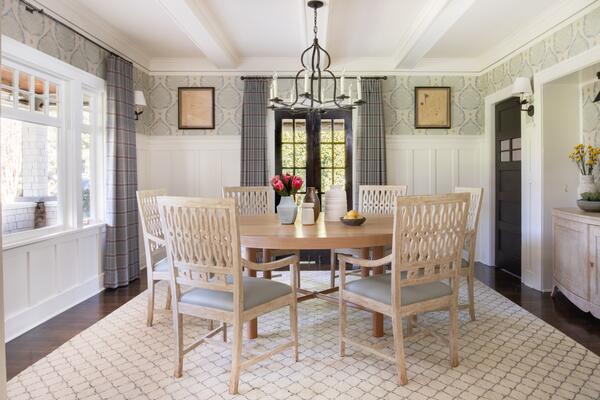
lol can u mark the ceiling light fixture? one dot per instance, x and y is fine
(315, 62)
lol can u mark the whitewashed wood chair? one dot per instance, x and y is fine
(258, 200)
(468, 265)
(203, 249)
(373, 199)
(157, 266)
(429, 233)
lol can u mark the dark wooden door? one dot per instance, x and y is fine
(508, 186)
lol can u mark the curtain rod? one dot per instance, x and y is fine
(325, 77)
(31, 8)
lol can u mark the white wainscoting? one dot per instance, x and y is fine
(201, 165)
(45, 278)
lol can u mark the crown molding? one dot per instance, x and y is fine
(75, 16)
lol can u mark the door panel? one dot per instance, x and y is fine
(508, 186)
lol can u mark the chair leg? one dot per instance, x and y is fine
(168, 302)
(224, 325)
(236, 355)
(399, 349)
(150, 315)
(342, 327)
(332, 269)
(471, 287)
(178, 327)
(294, 327)
(298, 277)
(453, 333)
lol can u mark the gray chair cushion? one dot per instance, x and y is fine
(162, 266)
(256, 292)
(379, 288)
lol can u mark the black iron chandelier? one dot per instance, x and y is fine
(597, 99)
(315, 62)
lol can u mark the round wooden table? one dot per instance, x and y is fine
(265, 232)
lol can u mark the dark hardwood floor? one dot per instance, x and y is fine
(42, 340)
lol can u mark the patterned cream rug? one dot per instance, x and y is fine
(506, 354)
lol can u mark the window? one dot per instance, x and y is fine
(316, 147)
(50, 143)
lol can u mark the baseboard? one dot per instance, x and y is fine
(28, 319)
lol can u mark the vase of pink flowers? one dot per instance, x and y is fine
(286, 186)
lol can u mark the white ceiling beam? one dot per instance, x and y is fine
(195, 20)
(434, 20)
(307, 21)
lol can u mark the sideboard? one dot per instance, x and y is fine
(576, 236)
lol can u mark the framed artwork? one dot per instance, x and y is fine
(196, 108)
(432, 107)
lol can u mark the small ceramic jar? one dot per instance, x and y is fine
(308, 213)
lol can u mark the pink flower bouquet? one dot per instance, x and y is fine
(286, 185)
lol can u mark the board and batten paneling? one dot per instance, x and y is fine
(202, 165)
(47, 277)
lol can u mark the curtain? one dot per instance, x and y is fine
(254, 133)
(370, 138)
(121, 264)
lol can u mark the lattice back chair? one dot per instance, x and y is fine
(203, 249)
(429, 233)
(468, 266)
(258, 200)
(373, 199)
(157, 267)
(252, 200)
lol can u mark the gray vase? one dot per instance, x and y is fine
(287, 210)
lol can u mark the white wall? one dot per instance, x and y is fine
(201, 165)
(45, 278)
(561, 131)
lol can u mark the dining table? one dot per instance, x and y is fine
(264, 233)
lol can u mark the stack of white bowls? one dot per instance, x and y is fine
(335, 203)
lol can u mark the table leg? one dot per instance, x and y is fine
(252, 324)
(377, 317)
(266, 257)
(364, 254)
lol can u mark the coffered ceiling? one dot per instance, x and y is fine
(361, 35)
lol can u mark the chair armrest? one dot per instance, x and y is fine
(155, 239)
(269, 266)
(361, 262)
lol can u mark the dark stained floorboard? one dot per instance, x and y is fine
(47, 337)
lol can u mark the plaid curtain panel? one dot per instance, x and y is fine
(121, 264)
(254, 133)
(370, 138)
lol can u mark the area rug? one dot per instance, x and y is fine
(507, 353)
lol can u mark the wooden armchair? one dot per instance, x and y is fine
(373, 199)
(157, 267)
(468, 266)
(203, 248)
(429, 233)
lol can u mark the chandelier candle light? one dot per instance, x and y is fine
(315, 62)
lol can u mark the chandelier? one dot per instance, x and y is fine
(315, 62)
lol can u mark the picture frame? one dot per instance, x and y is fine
(196, 108)
(433, 107)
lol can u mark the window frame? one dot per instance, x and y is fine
(71, 82)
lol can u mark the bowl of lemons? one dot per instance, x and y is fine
(353, 218)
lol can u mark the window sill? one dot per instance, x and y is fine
(13, 243)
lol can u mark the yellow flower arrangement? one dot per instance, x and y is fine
(586, 158)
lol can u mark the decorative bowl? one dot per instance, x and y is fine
(589, 206)
(353, 221)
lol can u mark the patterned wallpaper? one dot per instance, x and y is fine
(590, 113)
(161, 96)
(43, 33)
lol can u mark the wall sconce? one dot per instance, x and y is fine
(140, 103)
(597, 99)
(522, 87)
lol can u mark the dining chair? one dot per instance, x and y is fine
(468, 265)
(373, 199)
(429, 233)
(203, 249)
(258, 200)
(157, 266)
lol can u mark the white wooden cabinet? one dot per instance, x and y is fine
(577, 257)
